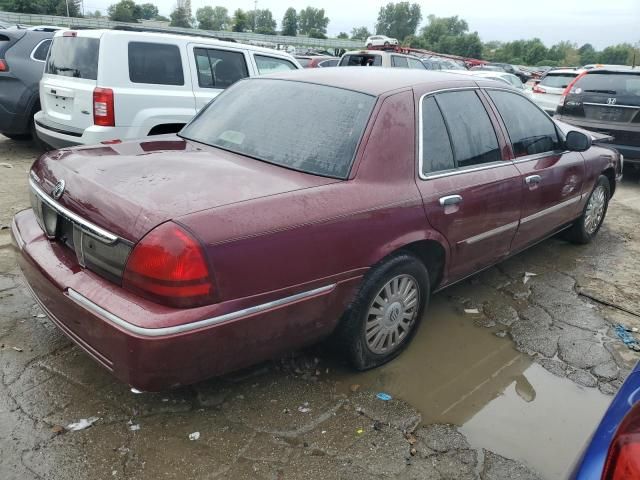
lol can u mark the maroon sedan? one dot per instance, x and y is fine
(293, 207)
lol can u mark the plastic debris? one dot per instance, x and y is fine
(17, 349)
(628, 339)
(135, 390)
(474, 311)
(81, 424)
(304, 408)
(41, 315)
(6, 165)
(359, 431)
(134, 428)
(194, 436)
(527, 276)
(385, 397)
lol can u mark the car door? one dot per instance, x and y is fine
(471, 194)
(551, 177)
(265, 64)
(214, 70)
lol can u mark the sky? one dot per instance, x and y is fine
(599, 22)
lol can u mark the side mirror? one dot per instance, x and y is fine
(577, 141)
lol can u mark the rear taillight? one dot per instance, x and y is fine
(103, 111)
(538, 89)
(623, 458)
(569, 89)
(168, 266)
(3, 66)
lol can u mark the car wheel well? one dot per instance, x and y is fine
(432, 255)
(165, 128)
(611, 175)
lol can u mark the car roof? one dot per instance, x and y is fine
(364, 51)
(565, 70)
(372, 80)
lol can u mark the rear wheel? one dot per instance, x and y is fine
(369, 45)
(588, 225)
(386, 312)
(17, 136)
(386, 44)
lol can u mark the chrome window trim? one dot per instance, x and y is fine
(552, 209)
(36, 48)
(88, 227)
(461, 170)
(538, 156)
(187, 327)
(490, 233)
(637, 107)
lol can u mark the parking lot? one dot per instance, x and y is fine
(507, 377)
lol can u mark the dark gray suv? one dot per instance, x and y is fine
(22, 57)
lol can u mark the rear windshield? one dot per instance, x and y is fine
(361, 60)
(74, 57)
(558, 80)
(610, 83)
(262, 118)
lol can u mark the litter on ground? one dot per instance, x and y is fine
(81, 424)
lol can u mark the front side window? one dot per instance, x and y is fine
(415, 63)
(40, 52)
(530, 130)
(398, 61)
(155, 63)
(436, 147)
(219, 68)
(472, 135)
(272, 64)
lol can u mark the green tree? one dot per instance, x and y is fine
(149, 11)
(216, 18)
(290, 22)
(46, 7)
(125, 11)
(360, 33)
(343, 35)
(620, 54)
(181, 15)
(449, 35)
(261, 21)
(588, 54)
(240, 21)
(317, 34)
(398, 20)
(312, 20)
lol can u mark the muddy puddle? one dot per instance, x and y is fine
(456, 372)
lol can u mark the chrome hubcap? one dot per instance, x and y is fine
(595, 210)
(392, 314)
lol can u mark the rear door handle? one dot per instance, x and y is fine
(533, 179)
(450, 200)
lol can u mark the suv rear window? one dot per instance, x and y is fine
(262, 118)
(558, 80)
(155, 63)
(41, 50)
(610, 83)
(74, 57)
(354, 60)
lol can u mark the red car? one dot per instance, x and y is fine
(293, 207)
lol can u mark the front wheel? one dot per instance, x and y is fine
(588, 225)
(386, 312)
(369, 45)
(386, 44)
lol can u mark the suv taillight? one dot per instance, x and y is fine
(3, 66)
(168, 266)
(103, 111)
(623, 458)
(538, 89)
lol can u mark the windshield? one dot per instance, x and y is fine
(74, 57)
(558, 80)
(263, 119)
(611, 83)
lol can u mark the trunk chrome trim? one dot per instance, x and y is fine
(552, 209)
(637, 107)
(86, 226)
(490, 233)
(187, 327)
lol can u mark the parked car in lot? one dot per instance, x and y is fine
(176, 258)
(606, 100)
(316, 61)
(613, 452)
(378, 58)
(503, 77)
(548, 91)
(22, 56)
(111, 85)
(441, 63)
(513, 69)
(380, 41)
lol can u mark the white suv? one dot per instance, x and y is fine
(112, 85)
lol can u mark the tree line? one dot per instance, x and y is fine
(401, 20)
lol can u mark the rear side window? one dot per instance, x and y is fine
(272, 64)
(397, 61)
(436, 147)
(415, 63)
(155, 63)
(219, 68)
(472, 135)
(40, 52)
(361, 61)
(530, 130)
(559, 80)
(74, 57)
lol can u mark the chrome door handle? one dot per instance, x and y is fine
(533, 179)
(450, 200)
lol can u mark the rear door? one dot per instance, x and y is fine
(214, 69)
(471, 194)
(70, 76)
(551, 177)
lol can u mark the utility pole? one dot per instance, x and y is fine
(255, 15)
(68, 15)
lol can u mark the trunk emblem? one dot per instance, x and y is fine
(58, 190)
(611, 101)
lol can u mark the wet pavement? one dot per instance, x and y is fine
(512, 391)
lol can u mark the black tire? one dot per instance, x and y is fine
(386, 44)
(17, 136)
(581, 232)
(369, 45)
(352, 331)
